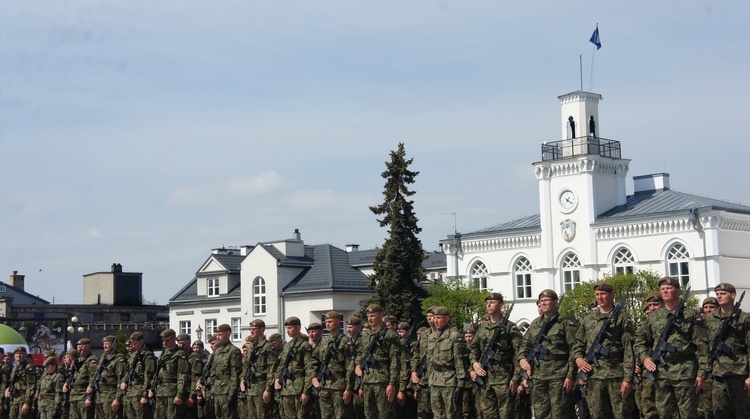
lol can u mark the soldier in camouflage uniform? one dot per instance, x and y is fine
(242, 401)
(50, 390)
(111, 371)
(496, 394)
(610, 384)
(471, 407)
(705, 404)
(731, 387)
(6, 367)
(22, 386)
(678, 382)
(315, 332)
(171, 384)
(355, 409)
(554, 378)
(446, 350)
(195, 368)
(261, 360)
(203, 386)
(296, 356)
(142, 363)
(81, 404)
(338, 358)
(645, 393)
(225, 374)
(407, 404)
(380, 382)
(419, 357)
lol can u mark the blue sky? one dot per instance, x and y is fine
(146, 133)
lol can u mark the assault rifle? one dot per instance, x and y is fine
(662, 347)
(596, 350)
(98, 376)
(204, 378)
(12, 386)
(719, 347)
(537, 349)
(324, 370)
(369, 359)
(285, 374)
(250, 374)
(156, 381)
(490, 355)
(131, 373)
(69, 380)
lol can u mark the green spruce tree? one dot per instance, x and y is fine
(398, 270)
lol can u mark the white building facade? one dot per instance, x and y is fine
(587, 225)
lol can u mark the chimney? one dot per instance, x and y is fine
(297, 235)
(352, 248)
(246, 249)
(116, 268)
(651, 183)
(17, 280)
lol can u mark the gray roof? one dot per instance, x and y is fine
(365, 258)
(231, 263)
(20, 296)
(189, 293)
(330, 272)
(289, 261)
(640, 205)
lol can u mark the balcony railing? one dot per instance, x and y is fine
(580, 146)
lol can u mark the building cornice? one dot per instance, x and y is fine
(676, 225)
(590, 164)
(499, 243)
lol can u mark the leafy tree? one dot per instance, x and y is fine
(636, 285)
(122, 340)
(398, 268)
(465, 301)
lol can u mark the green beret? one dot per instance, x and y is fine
(668, 280)
(725, 286)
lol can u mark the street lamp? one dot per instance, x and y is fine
(74, 327)
(199, 331)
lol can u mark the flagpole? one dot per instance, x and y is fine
(591, 75)
(580, 68)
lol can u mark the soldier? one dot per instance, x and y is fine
(277, 342)
(195, 368)
(141, 369)
(496, 394)
(50, 390)
(171, 383)
(644, 392)
(22, 386)
(355, 409)
(380, 381)
(290, 379)
(407, 406)
(472, 407)
(391, 322)
(610, 384)
(677, 382)
(731, 386)
(315, 332)
(705, 404)
(242, 402)
(261, 362)
(447, 366)
(6, 367)
(81, 404)
(225, 374)
(554, 377)
(419, 362)
(333, 353)
(103, 387)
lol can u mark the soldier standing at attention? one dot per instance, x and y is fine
(113, 369)
(6, 367)
(50, 390)
(195, 368)
(315, 331)
(143, 362)
(338, 359)
(225, 374)
(554, 378)
(705, 404)
(172, 378)
(242, 401)
(355, 409)
(81, 405)
(731, 387)
(407, 404)
(419, 357)
(677, 383)
(447, 366)
(644, 393)
(23, 378)
(380, 383)
(610, 384)
(294, 359)
(264, 359)
(496, 395)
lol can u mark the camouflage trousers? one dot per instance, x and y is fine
(358, 407)
(256, 409)
(15, 410)
(730, 397)
(605, 400)
(495, 401)
(78, 410)
(47, 407)
(223, 408)
(331, 403)
(104, 406)
(648, 400)
(443, 403)
(424, 408)
(376, 401)
(549, 399)
(133, 408)
(290, 407)
(675, 398)
(164, 408)
(705, 404)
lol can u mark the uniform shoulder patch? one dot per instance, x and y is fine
(699, 319)
(122, 360)
(514, 328)
(571, 323)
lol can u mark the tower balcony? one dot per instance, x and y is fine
(580, 146)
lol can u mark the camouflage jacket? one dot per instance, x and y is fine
(144, 364)
(23, 379)
(114, 368)
(386, 354)
(265, 362)
(418, 355)
(84, 373)
(620, 362)
(173, 375)
(340, 362)
(50, 390)
(559, 363)
(226, 368)
(300, 358)
(507, 346)
(446, 349)
(738, 340)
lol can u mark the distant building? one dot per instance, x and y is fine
(275, 280)
(588, 226)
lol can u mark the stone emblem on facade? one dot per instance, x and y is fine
(568, 229)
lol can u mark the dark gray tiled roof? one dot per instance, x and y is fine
(667, 201)
(532, 222)
(290, 261)
(189, 293)
(330, 272)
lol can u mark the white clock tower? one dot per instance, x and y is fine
(580, 177)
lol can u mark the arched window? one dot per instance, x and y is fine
(623, 262)
(678, 263)
(522, 273)
(479, 275)
(259, 296)
(571, 272)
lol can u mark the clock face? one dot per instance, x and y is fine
(568, 200)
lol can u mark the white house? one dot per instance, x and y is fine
(588, 226)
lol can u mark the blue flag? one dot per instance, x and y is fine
(595, 38)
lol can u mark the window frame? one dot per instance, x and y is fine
(522, 274)
(212, 287)
(260, 300)
(480, 279)
(570, 270)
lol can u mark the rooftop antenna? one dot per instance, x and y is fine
(455, 231)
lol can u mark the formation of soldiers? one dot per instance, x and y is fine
(678, 363)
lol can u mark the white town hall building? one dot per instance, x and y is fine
(588, 226)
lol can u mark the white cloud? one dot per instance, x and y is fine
(261, 183)
(94, 233)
